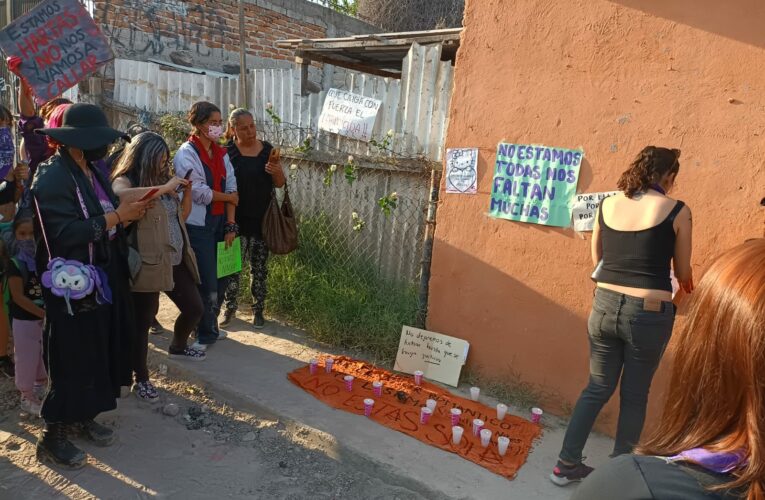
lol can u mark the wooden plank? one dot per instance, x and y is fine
(354, 66)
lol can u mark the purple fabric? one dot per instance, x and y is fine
(103, 168)
(7, 152)
(720, 462)
(36, 145)
(25, 252)
(106, 204)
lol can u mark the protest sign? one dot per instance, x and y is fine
(59, 45)
(229, 259)
(585, 207)
(348, 114)
(535, 184)
(439, 357)
(461, 170)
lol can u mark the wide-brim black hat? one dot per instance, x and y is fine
(84, 126)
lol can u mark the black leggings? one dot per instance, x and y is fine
(186, 297)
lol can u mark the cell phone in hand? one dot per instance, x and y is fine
(185, 177)
(274, 155)
(149, 194)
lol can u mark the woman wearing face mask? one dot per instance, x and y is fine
(88, 331)
(212, 218)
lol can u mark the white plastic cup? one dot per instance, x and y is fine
(502, 443)
(474, 393)
(377, 388)
(536, 415)
(456, 414)
(485, 437)
(477, 426)
(328, 365)
(501, 411)
(425, 414)
(348, 382)
(457, 434)
(418, 377)
(312, 366)
(368, 404)
(431, 403)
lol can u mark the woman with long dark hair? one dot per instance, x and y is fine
(167, 260)
(82, 255)
(212, 218)
(709, 442)
(640, 234)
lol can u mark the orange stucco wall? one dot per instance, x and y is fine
(610, 77)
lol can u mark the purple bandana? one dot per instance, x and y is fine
(715, 461)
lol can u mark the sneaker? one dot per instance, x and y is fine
(145, 391)
(259, 321)
(222, 334)
(228, 317)
(7, 367)
(564, 474)
(30, 407)
(156, 328)
(199, 347)
(189, 353)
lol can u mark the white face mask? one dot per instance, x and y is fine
(215, 132)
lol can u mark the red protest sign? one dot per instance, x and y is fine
(59, 45)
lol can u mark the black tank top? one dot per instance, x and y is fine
(639, 259)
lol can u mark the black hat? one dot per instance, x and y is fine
(84, 126)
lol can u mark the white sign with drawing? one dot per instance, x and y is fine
(348, 114)
(462, 170)
(584, 209)
(439, 357)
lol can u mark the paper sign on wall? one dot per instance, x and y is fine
(229, 259)
(462, 170)
(439, 357)
(584, 209)
(535, 184)
(59, 45)
(348, 114)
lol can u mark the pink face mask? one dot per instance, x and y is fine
(215, 132)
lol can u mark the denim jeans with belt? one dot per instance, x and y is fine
(627, 336)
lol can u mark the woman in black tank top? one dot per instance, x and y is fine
(639, 235)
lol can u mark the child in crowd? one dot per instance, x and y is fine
(27, 313)
(7, 367)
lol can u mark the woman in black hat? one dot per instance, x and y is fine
(87, 349)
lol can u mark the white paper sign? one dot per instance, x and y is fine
(348, 114)
(585, 208)
(439, 357)
(462, 170)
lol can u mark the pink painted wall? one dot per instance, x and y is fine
(610, 77)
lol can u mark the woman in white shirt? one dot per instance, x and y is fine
(212, 220)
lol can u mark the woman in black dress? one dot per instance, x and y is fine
(86, 340)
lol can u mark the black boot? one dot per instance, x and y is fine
(96, 433)
(258, 321)
(55, 448)
(228, 317)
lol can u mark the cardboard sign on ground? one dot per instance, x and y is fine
(439, 357)
(59, 45)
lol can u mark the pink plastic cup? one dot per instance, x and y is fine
(536, 415)
(368, 404)
(348, 382)
(377, 388)
(328, 365)
(425, 414)
(456, 414)
(313, 365)
(418, 377)
(477, 426)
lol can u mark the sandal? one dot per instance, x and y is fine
(146, 392)
(188, 353)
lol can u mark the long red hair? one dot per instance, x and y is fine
(716, 396)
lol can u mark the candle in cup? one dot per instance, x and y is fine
(485, 437)
(425, 414)
(348, 382)
(474, 393)
(456, 413)
(377, 388)
(477, 426)
(431, 403)
(501, 411)
(502, 444)
(536, 415)
(418, 377)
(457, 434)
(368, 404)
(312, 365)
(328, 365)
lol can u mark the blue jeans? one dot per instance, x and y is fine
(204, 241)
(627, 340)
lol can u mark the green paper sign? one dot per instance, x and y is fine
(535, 184)
(229, 259)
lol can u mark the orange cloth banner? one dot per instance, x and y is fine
(399, 408)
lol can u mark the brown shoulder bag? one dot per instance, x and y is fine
(279, 225)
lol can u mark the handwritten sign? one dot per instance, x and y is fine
(229, 259)
(461, 170)
(59, 45)
(348, 114)
(584, 209)
(535, 184)
(439, 357)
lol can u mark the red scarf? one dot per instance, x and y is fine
(217, 168)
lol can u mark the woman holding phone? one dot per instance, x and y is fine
(639, 235)
(168, 263)
(213, 203)
(257, 169)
